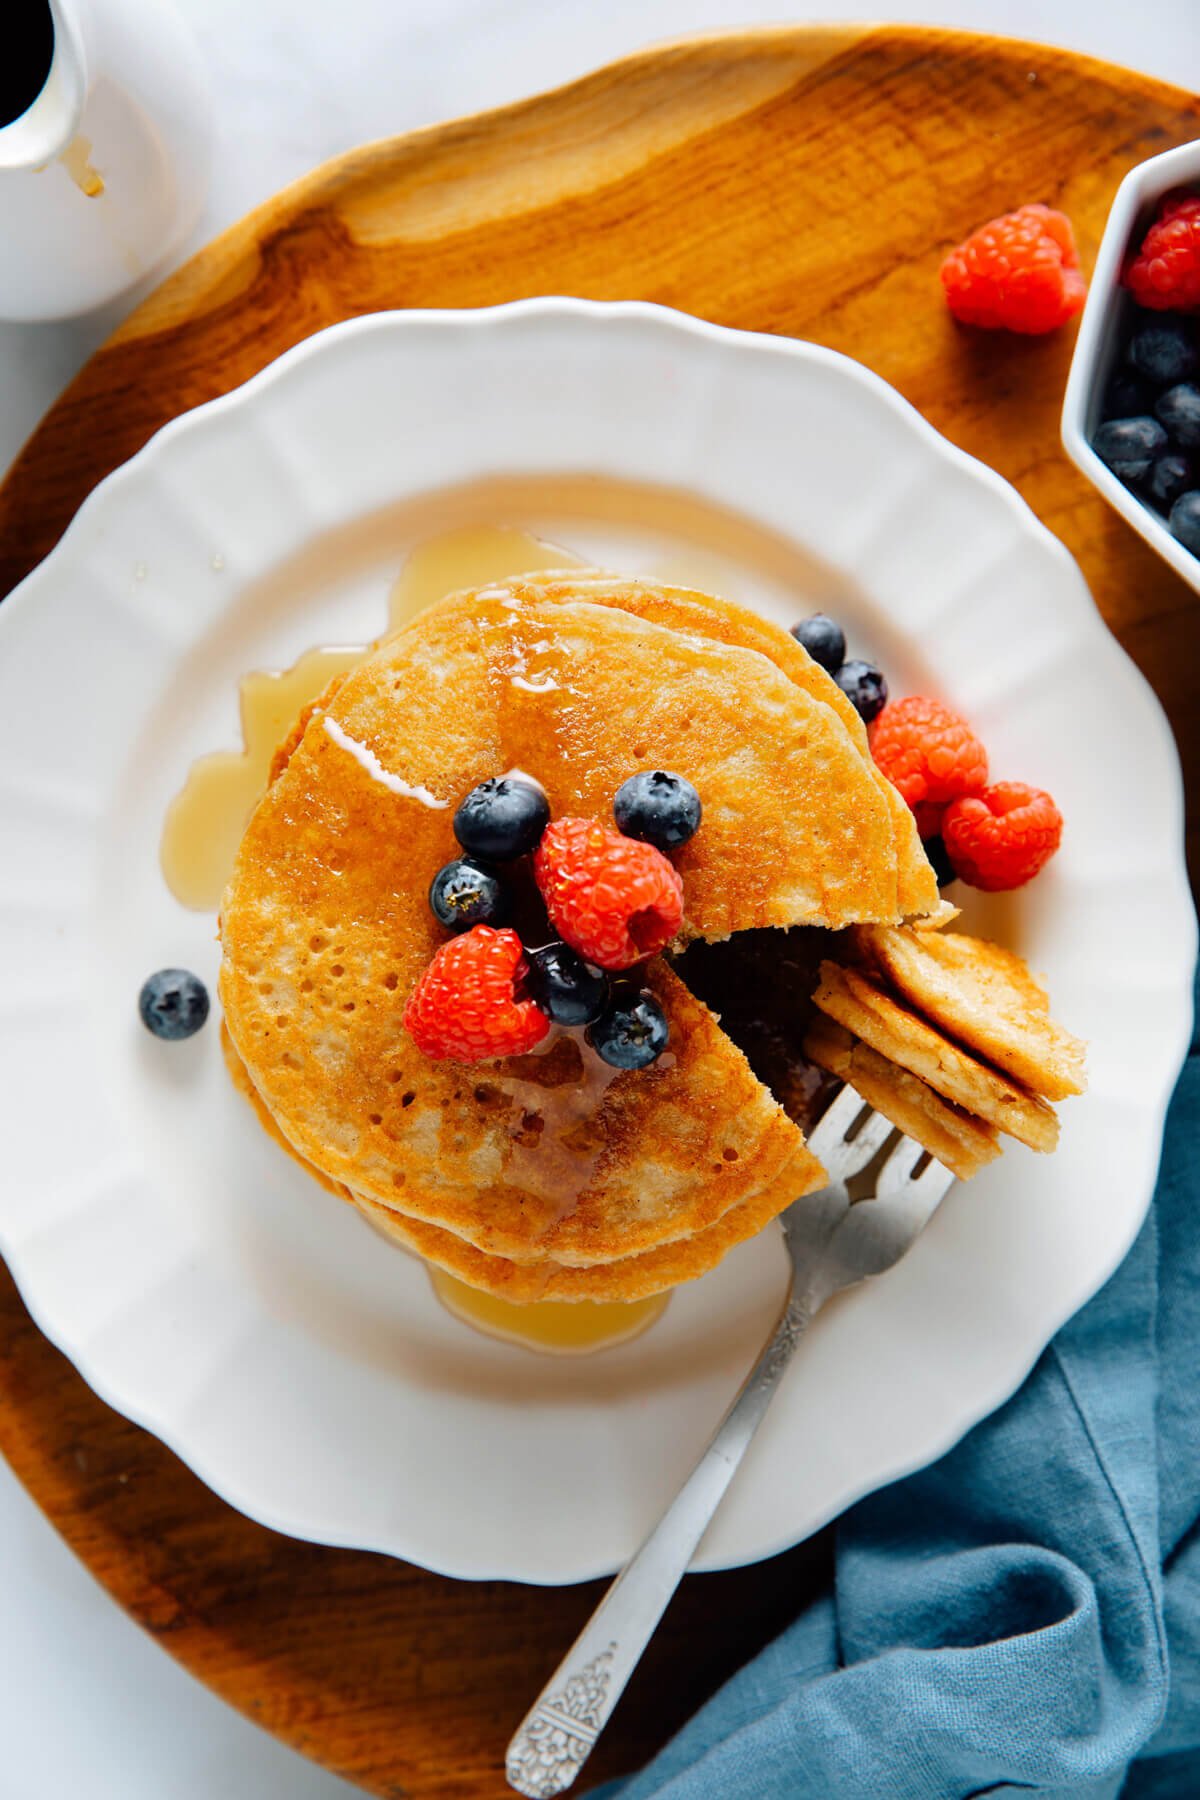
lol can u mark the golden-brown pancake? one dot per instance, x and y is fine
(800, 826)
(688, 610)
(326, 925)
(872, 1014)
(960, 1141)
(240, 1077)
(985, 997)
(628, 1278)
(544, 1155)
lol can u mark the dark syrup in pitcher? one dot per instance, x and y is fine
(26, 52)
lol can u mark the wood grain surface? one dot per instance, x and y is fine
(804, 181)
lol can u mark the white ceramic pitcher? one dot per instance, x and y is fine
(105, 173)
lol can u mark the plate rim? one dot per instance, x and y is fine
(985, 1397)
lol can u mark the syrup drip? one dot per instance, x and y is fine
(76, 159)
(555, 1327)
(207, 818)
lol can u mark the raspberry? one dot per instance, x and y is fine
(1019, 272)
(1165, 273)
(928, 814)
(930, 754)
(468, 1004)
(612, 898)
(1002, 837)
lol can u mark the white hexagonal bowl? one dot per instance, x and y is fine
(1097, 346)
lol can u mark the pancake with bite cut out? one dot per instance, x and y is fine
(326, 926)
(326, 922)
(986, 998)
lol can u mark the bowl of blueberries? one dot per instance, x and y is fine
(1131, 415)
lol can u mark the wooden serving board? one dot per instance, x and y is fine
(803, 181)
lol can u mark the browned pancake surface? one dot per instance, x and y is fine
(903, 1037)
(986, 997)
(959, 1141)
(722, 621)
(628, 1278)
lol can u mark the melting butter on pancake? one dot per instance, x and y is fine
(986, 998)
(903, 1037)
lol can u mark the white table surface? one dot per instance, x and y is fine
(89, 1706)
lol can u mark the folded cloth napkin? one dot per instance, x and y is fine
(1024, 1616)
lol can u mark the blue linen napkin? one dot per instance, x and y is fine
(1024, 1616)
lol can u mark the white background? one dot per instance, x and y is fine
(89, 1706)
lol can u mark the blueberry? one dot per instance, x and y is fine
(568, 990)
(633, 1033)
(1171, 476)
(824, 640)
(502, 818)
(1185, 521)
(1129, 447)
(661, 809)
(1179, 410)
(1164, 349)
(465, 893)
(939, 857)
(1127, 396)
(864, 687)
(173, 1004)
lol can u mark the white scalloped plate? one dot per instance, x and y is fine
(196, 1278)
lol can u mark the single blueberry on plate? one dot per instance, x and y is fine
(501, 819)
(568, 990)
(173, 1004)
(465, 893)
(939, 857)
(1179, 410)
(1127, 396)
(633, 1033)
(1185, 521)
(1164, 349)
(824, 640)
(865, 688)
(659, 808)
(1129, 447)
(1169, 477)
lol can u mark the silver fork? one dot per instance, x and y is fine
(833, 1242)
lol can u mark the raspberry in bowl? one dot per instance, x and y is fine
(1131, 414)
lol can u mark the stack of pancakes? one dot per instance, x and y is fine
(549, 1175)
(949, 1037)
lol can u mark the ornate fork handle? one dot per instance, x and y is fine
(556, 1736)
